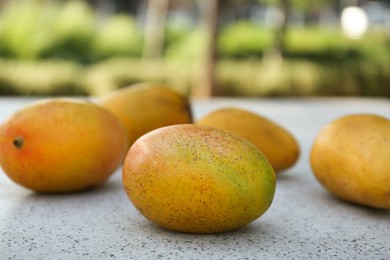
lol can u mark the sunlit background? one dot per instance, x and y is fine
(257, 48)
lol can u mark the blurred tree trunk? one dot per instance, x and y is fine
(311, 16)
(128, 6)
(154, 28)
(117, 6)
(206, 84)
(280, 33)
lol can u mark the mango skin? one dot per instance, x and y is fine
(350, 157)
(68, 145)
(146, 106)
(275, 142)
(197, 179)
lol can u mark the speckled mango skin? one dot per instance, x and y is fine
(350, 157)
(197, 179)
(68, 145)
(276, 143)
(146, 106)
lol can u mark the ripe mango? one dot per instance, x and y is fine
(197, 179)
(146, 106)
(61, 145)
(350, 157)
(275, 142)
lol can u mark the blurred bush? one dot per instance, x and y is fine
(118, 36)
(111, 74)
(329, 44)
(244, 40)
(52, 78)
(319, 44)
(189, 47)
(304, 78)
(25, 30)
(248, 78)
(245, 78)
(71, 30)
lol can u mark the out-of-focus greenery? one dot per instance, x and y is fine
(303, 78)
(32, 30)
(119, 36)
(68, 49)
(322, 44)
(244, 40)
(189, 48)
(111, 74)
(244, 78)
(54, 77)
(25, 30)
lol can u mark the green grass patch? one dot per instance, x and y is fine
(242, 78)
(49, 78)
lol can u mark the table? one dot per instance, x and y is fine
(304, 221)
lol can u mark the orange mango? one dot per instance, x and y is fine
(61, 145)
(276, 143)
(198, 179)
(146, 106)
(350, 157)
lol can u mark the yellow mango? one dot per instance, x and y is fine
(61, 145)
(197, 179)
(146, 106)
(275, 142)
(350, 157)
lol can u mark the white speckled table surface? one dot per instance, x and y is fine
(303, 222)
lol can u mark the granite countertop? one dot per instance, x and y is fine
(304, 221)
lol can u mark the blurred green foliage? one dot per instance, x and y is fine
(244, 40)
(72, 31)
(69, 49)
(52, 78)
(190, 47)
(245, 78)
(25, 30)
(304, 78)
(111, 74)
(327, 44)
(119, 36)
(32, 30)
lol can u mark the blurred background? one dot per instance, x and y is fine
(199, 47)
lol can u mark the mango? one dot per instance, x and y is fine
(197, 179)
(350, 157)
(275, 142)
(146, 106)
(61, 145)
